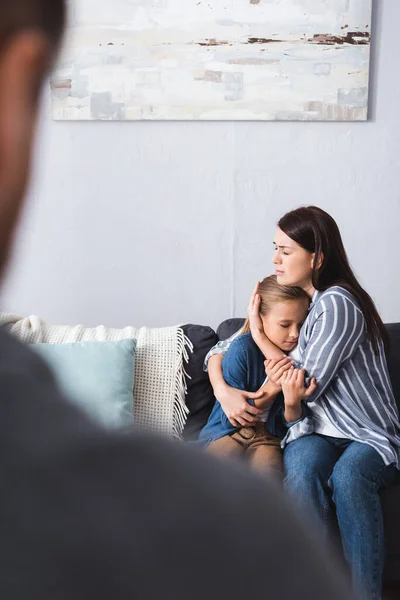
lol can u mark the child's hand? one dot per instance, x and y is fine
(294, 392)
(276, 369)
(293, 387)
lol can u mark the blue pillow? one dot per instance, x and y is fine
(96, 376)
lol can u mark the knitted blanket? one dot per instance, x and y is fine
(160, 387)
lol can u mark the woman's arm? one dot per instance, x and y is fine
(268, 349)
(216, 376)
(239, 369)
(220, 349)
(335, 337)
(233, 401)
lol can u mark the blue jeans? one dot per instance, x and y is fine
(324, 473)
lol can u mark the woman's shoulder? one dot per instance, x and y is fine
(338, 293)
(337, 300)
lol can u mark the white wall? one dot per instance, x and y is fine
(167, 222)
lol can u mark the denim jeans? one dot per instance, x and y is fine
(325, 473)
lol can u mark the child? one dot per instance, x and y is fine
(282, 310)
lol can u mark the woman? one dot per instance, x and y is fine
(354, 451)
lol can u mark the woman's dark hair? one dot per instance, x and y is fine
(316, 231)
(44, 15)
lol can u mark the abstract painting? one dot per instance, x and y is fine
(271, 60)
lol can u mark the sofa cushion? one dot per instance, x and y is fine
(229, 327)
(200, 398)
(390, 505)
(393, 358)
(96, 376)
(159, 398)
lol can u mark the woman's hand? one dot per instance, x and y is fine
(276, 369)
(294, 391)
(234, 404)
(253, 310)
(257, 329)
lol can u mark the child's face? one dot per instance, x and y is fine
(283, 323)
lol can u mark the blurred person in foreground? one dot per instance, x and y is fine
(88, 515)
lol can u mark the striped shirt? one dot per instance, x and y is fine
(354, 388)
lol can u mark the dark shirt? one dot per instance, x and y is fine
(90, 515)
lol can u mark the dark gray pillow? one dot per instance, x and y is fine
(229, 327)
(200, 397)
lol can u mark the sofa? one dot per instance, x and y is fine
(200, 400)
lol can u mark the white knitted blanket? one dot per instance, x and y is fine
(160, 388)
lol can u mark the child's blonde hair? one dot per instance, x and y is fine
(271, 293)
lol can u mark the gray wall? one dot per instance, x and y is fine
(162, 223)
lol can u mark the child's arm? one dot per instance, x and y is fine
(269, 393)
(273, 386)
(294, 391)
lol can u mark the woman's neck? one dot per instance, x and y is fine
(309, 290)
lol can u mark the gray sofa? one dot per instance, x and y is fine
(200, 401)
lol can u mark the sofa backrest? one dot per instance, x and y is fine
(229, 327)
(393, 359)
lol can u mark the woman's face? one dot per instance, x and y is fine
(293, 264)
(283, 323)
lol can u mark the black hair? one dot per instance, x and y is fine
(316, 231)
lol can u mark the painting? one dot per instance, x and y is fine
(273, 60)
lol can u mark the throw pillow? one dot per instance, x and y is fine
(229, 327)
(200, 397)
(97, 376)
